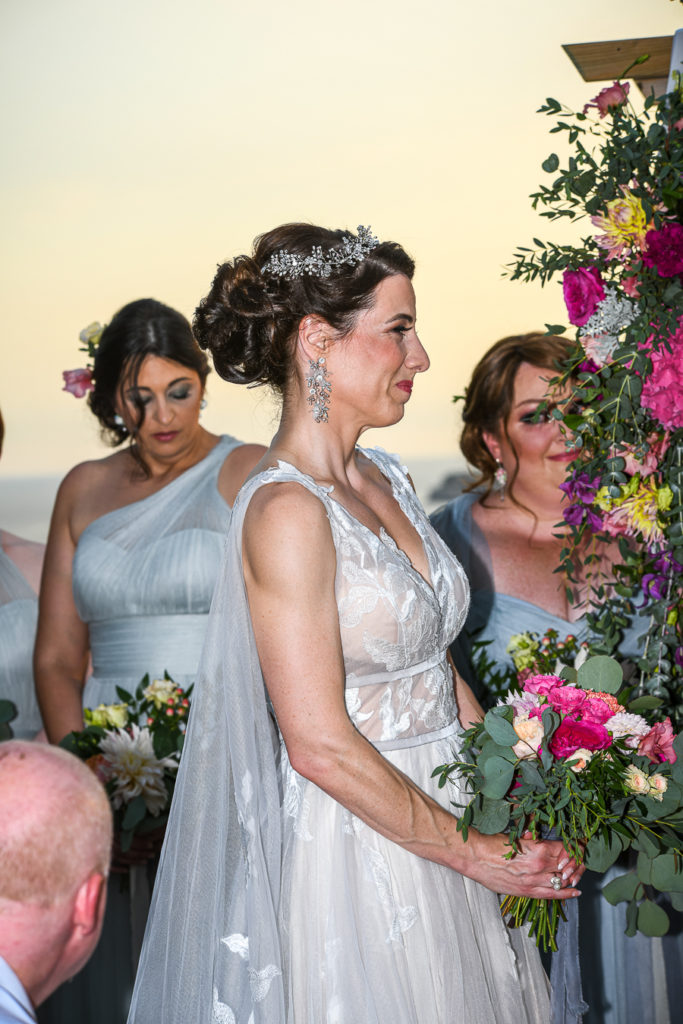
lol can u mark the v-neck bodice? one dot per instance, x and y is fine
(395, 625)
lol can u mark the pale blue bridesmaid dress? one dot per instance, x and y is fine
(143, 580)
(626, 980)
(18, 618)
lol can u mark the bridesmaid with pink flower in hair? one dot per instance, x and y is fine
(131, 565)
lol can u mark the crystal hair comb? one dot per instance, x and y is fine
(319, 264)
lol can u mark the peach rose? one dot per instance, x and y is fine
(582, 756)
(530, 732)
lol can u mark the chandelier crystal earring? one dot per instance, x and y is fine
(319, 388)
(118, 420)
(500, 479)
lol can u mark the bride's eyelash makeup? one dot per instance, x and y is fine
(180, 394)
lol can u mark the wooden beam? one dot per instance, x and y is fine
(598, 62)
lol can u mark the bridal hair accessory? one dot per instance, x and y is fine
(79, 382)
(500, 479)
(319, 264)
(319, 388)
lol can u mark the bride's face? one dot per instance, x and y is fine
(372, 370)
(170, 395)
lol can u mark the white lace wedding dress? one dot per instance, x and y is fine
(273, 903)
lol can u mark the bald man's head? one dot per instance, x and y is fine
(55, 823)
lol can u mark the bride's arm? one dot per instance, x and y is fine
(290, 566)
(61, 652)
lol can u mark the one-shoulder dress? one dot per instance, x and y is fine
(626, 980)
(143, 580)
(273, 903)
(18, 618)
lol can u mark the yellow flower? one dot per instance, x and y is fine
(636, 510)
(114, 716)
(624, 225)
(603, 499)
(161, 691)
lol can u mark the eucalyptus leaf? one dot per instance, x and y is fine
(499, 729)
(632, 918)
(602, 853)
(652, 919)
(493, 817)
(645, 703)
(498, 775)
(622, 888)
(667, 873)
(601, 673)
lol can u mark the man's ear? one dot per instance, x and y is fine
(492, 443)
(89, 904)
(315, 336)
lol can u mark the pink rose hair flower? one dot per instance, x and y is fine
(78, 382)
(583, 290)
(610, 98)
(658, 743)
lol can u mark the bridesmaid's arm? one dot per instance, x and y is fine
(236, 468)
(61, 652)
(290, 566)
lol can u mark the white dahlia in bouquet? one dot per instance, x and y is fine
(571, 755)
(134, 748)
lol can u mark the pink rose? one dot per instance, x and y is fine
(567, 699)
(77, 382)
(609, 98)
(658, 743)
(571, 736)
(583, 290)
(541, 684)
(596, 710)
(678, 125)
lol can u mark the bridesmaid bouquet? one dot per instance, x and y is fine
(571, 755)
(134, 749)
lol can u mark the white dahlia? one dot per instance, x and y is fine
(136, 771)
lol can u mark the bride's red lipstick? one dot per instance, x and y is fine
(406, 385)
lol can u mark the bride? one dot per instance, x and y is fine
(312, 870)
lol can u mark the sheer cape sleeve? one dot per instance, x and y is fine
(211, 951)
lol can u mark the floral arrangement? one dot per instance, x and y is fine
(134, 749)
(79, 382)
(572, 756)
(623, 289)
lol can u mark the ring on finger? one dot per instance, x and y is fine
(556, 882)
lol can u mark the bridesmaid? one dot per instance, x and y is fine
(21, 561)
(131, 563)
(505, 533)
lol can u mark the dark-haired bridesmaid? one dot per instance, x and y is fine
(131, 563)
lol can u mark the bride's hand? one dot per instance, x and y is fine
(528, 872)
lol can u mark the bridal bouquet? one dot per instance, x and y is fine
(571, 755)
(134, 749)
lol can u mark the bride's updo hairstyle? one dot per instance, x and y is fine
(250, 318)
(489, 396)
(140, 329)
